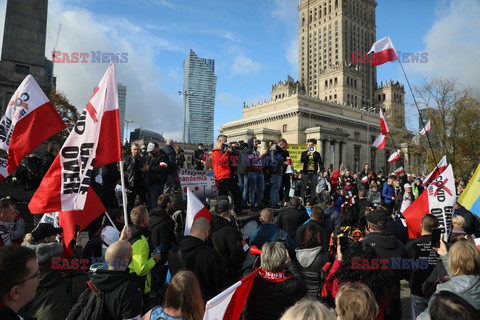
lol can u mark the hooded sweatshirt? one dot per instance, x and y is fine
(123, 299)
(311, 262)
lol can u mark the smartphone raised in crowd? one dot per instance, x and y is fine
(344, 242)
(436, 233)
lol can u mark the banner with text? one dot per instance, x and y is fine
(200, 182)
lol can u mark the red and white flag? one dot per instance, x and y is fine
(441, 166)
(395, 156)
(195, 209)
(380, 142)
(383, 124)
(438, 199)
(425, 129)
(93, 143)
(229, 303)
(383, 51)
(399, 171)
(29, 120)
(365, 179)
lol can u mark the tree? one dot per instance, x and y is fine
(454, 114)
(67, 112)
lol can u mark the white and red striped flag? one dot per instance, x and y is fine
(195, 209)
(29, 120)
(93, 143)
(383, 124)
(425, 129)
(380, 142)
(438, 199)
(399, 171)
(395, 156)
(229, 303)
(383, 51)
(441, 166)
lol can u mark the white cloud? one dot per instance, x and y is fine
(147, 105)
(244, 65)
(285, 10)
(164, 3)
(453, 43)
(292, 53)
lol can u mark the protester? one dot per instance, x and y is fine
(421, 249)
(180, 157)
(172, 170)
(134, 166)
(7, 222)
(183, 300)
(47, 159)
(292, 217)
(277, 160)
(312, 256)
(225, 181)
(122, 298)
(312, 164)
(404, 199)
(192, 253)
(242, 173)
(388, 193)
(463, 267)
(286, 177)
(19, 280)
(458, 223)
(308, 309)
(226, 239)
(355, 301)
(141, 264)
(198, 161)
(374, 196)
(156, 169)
(278, 285)
(387, 247)
(52, 287)
(269, 232)
(111, 233)
(447, 305)
(317, 217)
(349, 227)
(256, 180)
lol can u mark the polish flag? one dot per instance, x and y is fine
(229, 303)
(383, 124)
(365, 179)
(380, 142)
(93, 143)
(195, 209)
(425, 129)
(29, 120)
(438, 199)
(383, 51)
(395, 156)
(441, 166)
(399, 171)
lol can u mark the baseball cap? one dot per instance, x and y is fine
(44, 230)
(407, 185)
(377, 217)
(222, 206)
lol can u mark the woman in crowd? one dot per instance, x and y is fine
(312, 256)
(183, 300)
(355, 301)
(349, 267)
(463, 265)
(278, 285)
(349, 227)
(308, 309)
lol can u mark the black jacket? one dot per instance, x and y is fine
(269, 300)
(396, 228)
(157, 174)
(227, 241)
(317, 160)
(132, 167)
(202, 260)
(197, 158)
(162, 233)
(290, 219)
(420, 249)
(310, 263)
(275, 160)
(123, 299)
(172, 158)
(388, 247)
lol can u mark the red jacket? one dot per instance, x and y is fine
(221, 164)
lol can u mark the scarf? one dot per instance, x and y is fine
(273, 276)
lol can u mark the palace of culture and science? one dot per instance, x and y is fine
(334, 100)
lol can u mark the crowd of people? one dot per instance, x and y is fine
(330, 244)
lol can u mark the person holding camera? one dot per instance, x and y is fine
(198, 160)
(223, 157)
(312, 163)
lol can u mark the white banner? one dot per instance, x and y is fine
(442, 198)
(200, 182)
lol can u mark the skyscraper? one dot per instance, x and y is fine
(199, 85)
(122, 104)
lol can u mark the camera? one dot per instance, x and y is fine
(311, 149)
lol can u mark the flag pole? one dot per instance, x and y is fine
(421, 118)
(124, 196)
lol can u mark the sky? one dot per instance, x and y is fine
(254, 45)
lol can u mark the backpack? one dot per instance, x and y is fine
(89, 305)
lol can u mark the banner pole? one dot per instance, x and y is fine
(124, 196)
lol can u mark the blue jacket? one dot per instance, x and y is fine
(387, 193)
(268, 232)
